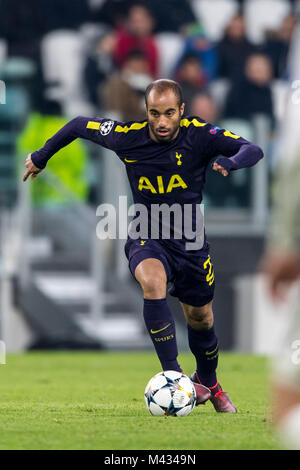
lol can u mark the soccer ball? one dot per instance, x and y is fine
(170, 393)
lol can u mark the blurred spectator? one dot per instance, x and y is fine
(170, 15)
(137, 34)
(99, 65)
(112, 13)
(205, 107)
(124, 91)
(278, 43)
(192, 79)
(234, 48)
(251, 94)
(196, 42)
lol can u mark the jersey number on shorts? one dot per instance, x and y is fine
(210, 275)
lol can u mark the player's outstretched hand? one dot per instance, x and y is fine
(31, 169)
(282, 270)
(220, 169)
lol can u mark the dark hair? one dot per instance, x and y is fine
(190, 57)
(140, 4)
(163, 85)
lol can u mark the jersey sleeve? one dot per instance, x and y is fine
(221, 141)
(233, 151)
(98, 130)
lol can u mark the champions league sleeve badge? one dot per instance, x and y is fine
(106, 127)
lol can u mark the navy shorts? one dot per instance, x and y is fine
(190, 273)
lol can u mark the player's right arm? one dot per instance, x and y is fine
(98, 130)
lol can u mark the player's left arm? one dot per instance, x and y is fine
(234, 152)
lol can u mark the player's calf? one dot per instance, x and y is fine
(159, 321)
(161, 328)
(199, 318)
(203, 341)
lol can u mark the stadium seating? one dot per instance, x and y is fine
(262, 15)
(3, 50)
(170, 48)
(219, 90)
(215, 15)
(13, 112)
(280, 89)
(62, 63)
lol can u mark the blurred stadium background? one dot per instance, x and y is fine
(61, 287)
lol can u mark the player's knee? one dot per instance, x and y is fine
(154, 287)
(152, 277)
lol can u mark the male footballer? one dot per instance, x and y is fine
(166, 157)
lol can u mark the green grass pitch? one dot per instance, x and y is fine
(94, 400)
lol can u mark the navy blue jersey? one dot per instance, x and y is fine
(160, 173)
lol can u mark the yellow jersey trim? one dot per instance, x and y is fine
(233, 136)
(186, 123)
(136, 126)
(93, 125)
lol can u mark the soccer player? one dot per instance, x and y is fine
(166, 157)
(281, 261)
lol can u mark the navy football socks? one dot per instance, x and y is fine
(161, 328)
(204, 346)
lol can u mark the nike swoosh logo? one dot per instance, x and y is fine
(129, 161)
(157, 331)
